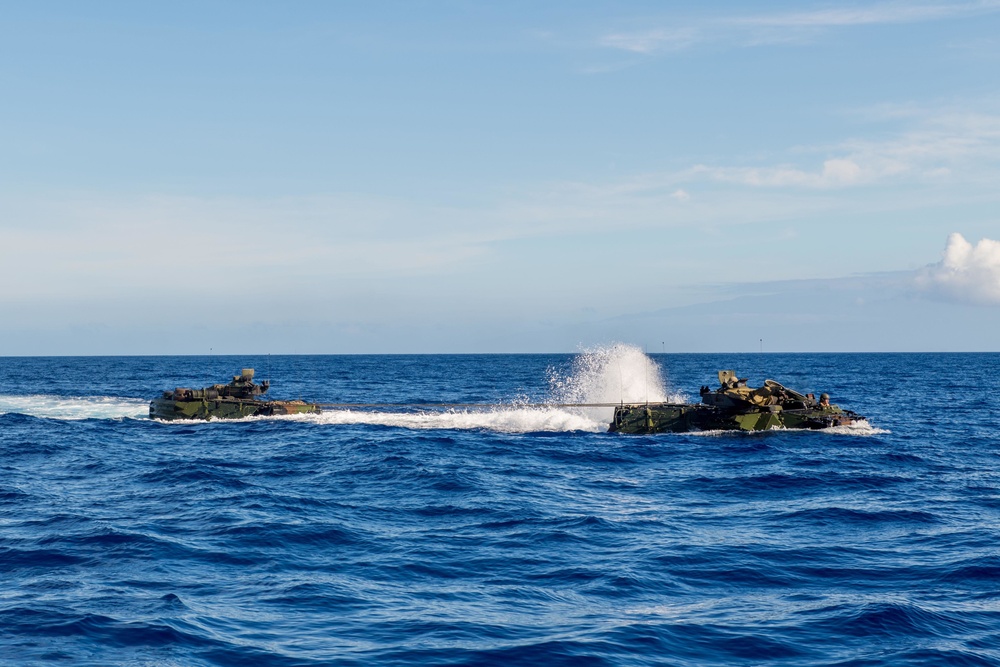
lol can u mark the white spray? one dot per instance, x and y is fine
(611, 374)
(83, 407)
(608, 374)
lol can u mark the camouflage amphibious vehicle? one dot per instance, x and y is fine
(239, 398)
(734, 407)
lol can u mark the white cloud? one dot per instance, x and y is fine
(968, 273)
(651, 41)
(122, 245)
(836, 172)
(788, 27)
(938, 147)
(885, 13)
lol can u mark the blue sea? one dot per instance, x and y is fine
(511, 535)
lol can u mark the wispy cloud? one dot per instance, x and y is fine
(835, 172)
(140, 245)
(754, 30)
(938, 147)
(938, 151)
(651, 41)
(884, 13)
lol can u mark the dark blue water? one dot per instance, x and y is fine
(508, 537)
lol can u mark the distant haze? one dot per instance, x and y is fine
(405, 177)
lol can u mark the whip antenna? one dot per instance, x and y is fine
(621, 383)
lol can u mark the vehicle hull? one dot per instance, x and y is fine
(225, 408)
(681, 417)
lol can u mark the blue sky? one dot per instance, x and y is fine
(319, 177)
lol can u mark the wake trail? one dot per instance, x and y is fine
(605, 374)
(501, 420)
(74, 408)
(608, 374)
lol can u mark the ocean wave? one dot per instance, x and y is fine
(511, 535)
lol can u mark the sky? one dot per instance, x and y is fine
(433, 177)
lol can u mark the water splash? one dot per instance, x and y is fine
(611, 374)
(616, 373)
(74, 408)
(606, 374)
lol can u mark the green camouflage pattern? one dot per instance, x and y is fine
(236, 400)
(733, 407)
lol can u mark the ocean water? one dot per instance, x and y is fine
(509, 536)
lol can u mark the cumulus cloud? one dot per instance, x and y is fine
(967, 273)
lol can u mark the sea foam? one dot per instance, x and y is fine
(606, 374)
(76, 407)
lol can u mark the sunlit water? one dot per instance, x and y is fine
(511, 535)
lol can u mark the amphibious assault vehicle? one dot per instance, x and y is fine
(239, 398)
(734, 407)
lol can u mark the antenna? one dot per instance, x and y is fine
(621, 383)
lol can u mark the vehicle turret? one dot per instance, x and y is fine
(238, 398)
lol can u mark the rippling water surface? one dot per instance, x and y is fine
(514, 535)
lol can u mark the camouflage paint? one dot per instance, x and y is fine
(732, 407)
(235, 400)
